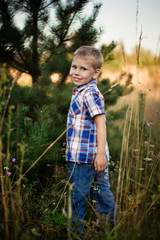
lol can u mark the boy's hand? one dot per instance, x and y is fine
(100, 162)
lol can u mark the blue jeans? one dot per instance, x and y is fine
(88, 181)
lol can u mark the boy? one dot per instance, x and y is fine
(87, 148)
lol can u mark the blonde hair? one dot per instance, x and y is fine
(92, 53)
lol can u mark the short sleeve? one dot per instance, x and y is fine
(94, 103)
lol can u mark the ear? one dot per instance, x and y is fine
(97, 72)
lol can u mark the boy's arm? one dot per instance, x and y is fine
(100, 162)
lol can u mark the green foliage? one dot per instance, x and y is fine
(28, 48)
(107, 51)
(36, 204)
(40, 116)
(114, 136)
(4, 80)
(38, 125)
(113, 94)
(86, 34)
(116, 64)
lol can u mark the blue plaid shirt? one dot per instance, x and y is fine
(86, 103)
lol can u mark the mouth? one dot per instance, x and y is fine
(76, 79)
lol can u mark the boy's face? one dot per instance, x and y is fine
(82, 70)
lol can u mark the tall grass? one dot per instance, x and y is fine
(137, 170)
(11, 204)
(137, 185)
(139, 164)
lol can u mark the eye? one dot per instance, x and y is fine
(74, 67)
(84, 69)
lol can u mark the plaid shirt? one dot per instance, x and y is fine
(86, 103)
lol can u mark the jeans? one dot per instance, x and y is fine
(88, 181)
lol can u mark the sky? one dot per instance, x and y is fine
(120, 22)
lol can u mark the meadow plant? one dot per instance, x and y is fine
(11, 204)
(138, 168)
(35, 208)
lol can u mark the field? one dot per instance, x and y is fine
(34, 188)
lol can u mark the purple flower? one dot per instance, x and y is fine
(153, 204)
(9, 174)
(54, 203)
(149, 124)
(13, 159)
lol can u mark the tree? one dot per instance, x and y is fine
(26, 49)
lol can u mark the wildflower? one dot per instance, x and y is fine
(13, 160)
(153, 204)
(9, 174)
(149, 124)
(54, 203)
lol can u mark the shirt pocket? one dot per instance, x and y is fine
(76, 107)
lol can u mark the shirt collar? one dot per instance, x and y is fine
(90, 83)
